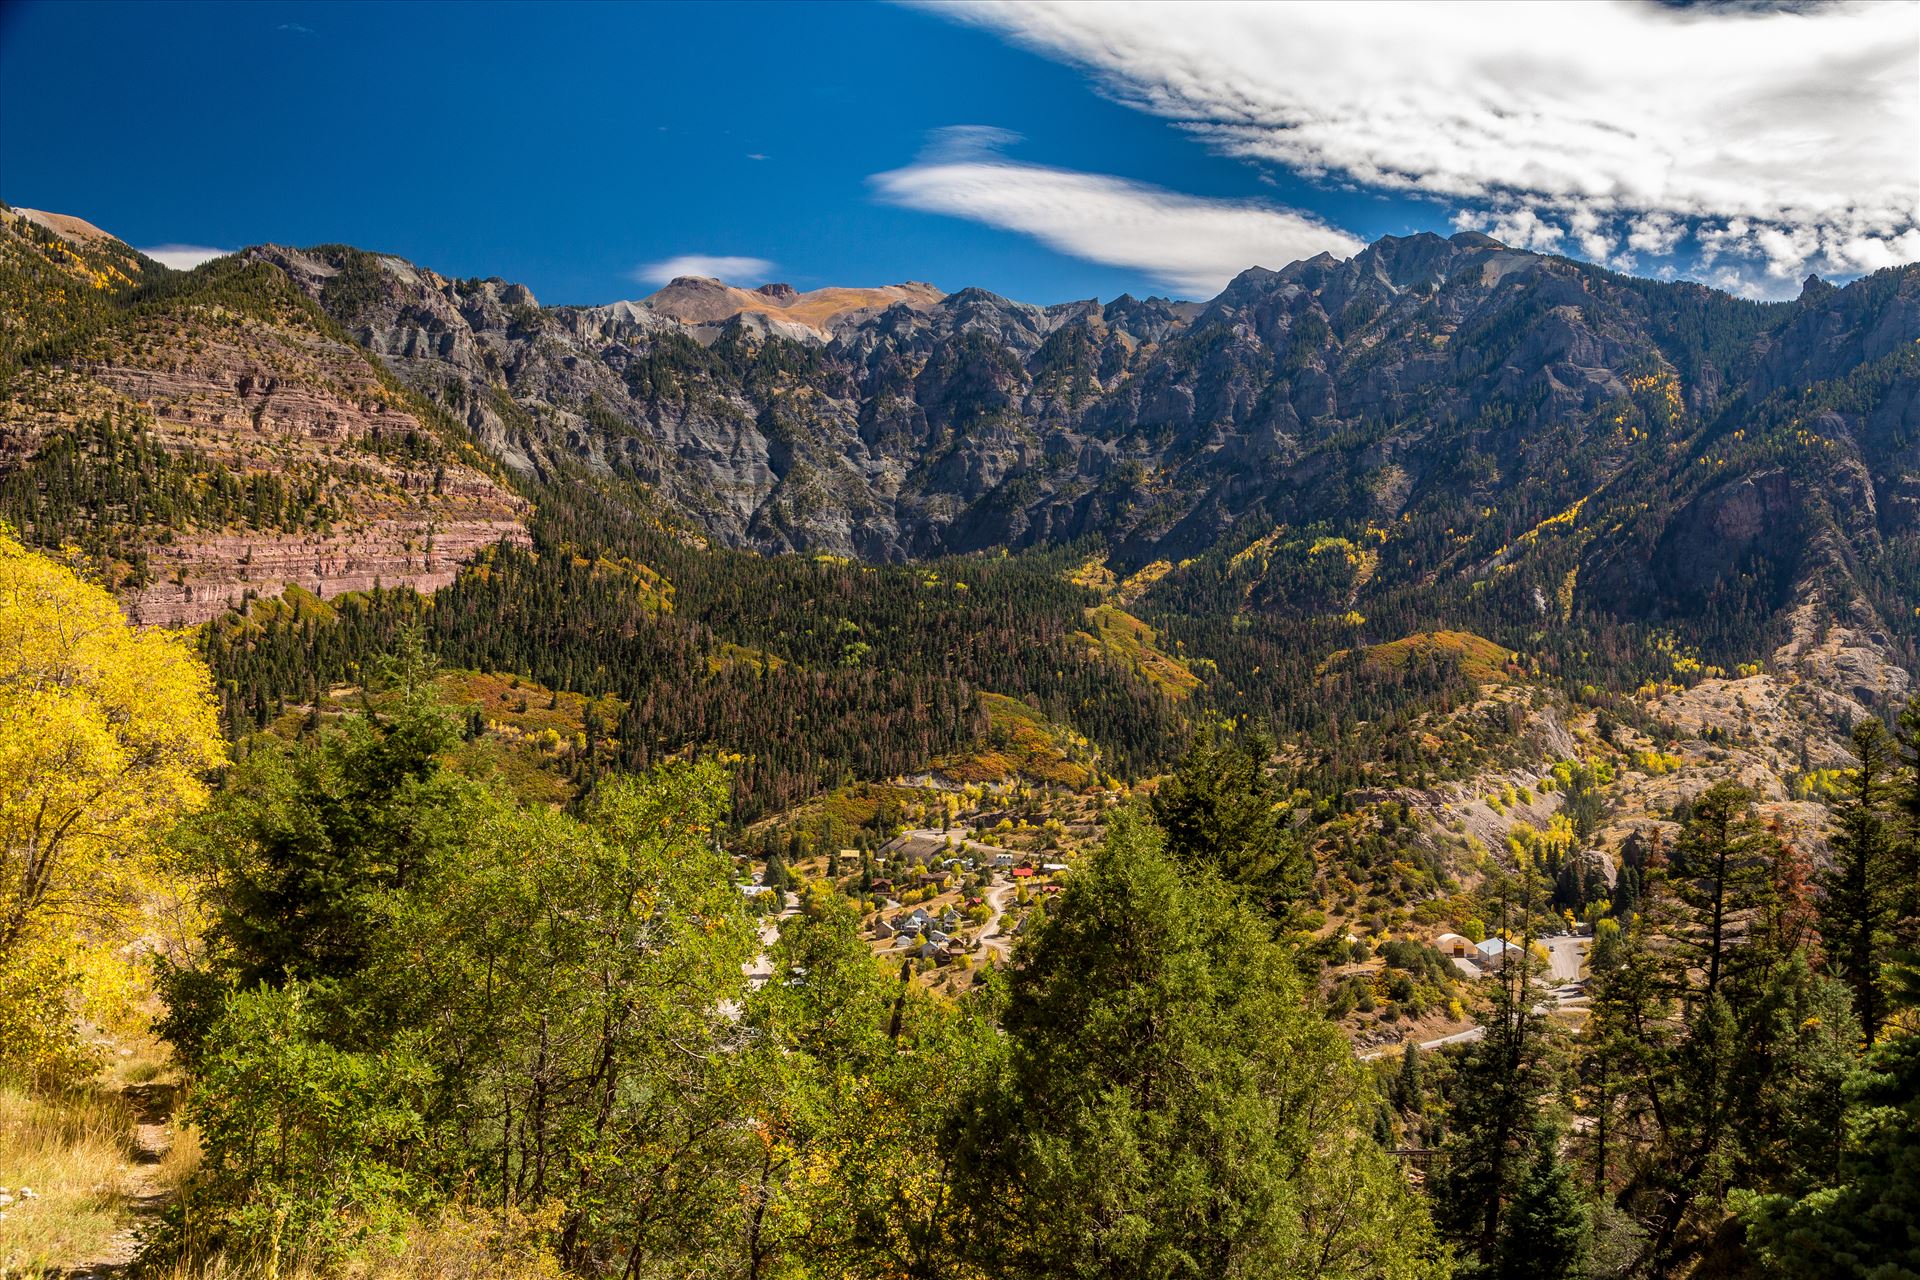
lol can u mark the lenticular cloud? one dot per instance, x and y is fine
(1191, 244)
(1768, 141)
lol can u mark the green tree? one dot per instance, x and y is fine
(580, 975)
(562, 992)
(309, 845)
(1722, 878)
(1859, 900)
(1409, 1094)
(1860, 1224)
(776, 876)
(873, 1072)
(308, 1148)
(1906, 858)
(1172, 1107)
(1498, 1088)
(1721, 1052)
(1222, 810)
(1547, 1226)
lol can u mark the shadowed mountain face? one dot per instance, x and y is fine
(1473, 413)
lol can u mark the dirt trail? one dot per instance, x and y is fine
(152, 1106)
(1000, 945)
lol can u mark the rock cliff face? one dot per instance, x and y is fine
(273, 452)
(1451, 393)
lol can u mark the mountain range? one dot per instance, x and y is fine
(1443, 419)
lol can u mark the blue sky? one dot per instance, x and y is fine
(1043, 153)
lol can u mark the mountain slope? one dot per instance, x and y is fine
(209, 435)
(699, 301)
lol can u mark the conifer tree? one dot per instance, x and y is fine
(1499, 1086)
(1547, 1224)
(1224, 811)
(1859, 900)
(1172, 1106)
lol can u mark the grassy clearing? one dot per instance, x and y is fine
(76, 1153)
(1023, 743)
(1480, 659)
(462, 1244)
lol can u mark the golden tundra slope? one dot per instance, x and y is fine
(276, 452)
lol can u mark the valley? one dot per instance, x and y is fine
(1348, 635)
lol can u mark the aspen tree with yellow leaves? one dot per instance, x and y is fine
(107, 734)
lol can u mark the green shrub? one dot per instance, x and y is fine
(306, 1146)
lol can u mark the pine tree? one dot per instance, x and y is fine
(776, 877)
(1221, 809)
(1547, 1227)
(1173, 1106)
(1409, 1095)
(1497, 1089)
(1906, 853)
(1858, 904)
(1721, 874)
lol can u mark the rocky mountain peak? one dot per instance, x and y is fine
(700, 301)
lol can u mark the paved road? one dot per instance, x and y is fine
(1459, 1037)
(1567, 955)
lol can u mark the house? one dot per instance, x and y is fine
(881, 929)
(1495, 952)
(905, 941)
(1053, 868)
(1002, 859)
(1022, 873)
(1455, 946)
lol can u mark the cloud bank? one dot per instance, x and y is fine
(1767, 142)
(733, 269)
(1192, 245)
(183, 257)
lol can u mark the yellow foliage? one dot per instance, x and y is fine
(107, 734)
(1656, 763)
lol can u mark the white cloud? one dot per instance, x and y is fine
(1521, 228)
(735, 270)
(1604, 122)
(184, 257)
(1190, 244)
(1655, 233)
